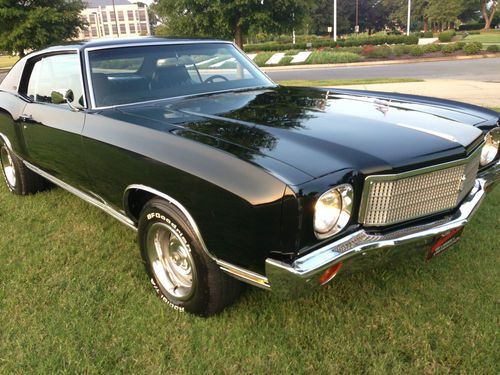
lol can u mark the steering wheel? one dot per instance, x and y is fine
(211, 79)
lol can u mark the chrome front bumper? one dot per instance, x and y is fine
(302, 275)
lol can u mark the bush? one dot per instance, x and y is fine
(472, 48)
(348, 42)
(446, 36)
(450, 48)
(380, 52)
(416, 51)
(471, 26)
(493, 48)
(428, 34)
(332, 58)
(401, 49)
(430, 48)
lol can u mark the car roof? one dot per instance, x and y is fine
(117, 42)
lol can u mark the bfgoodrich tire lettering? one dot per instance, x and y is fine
(182, 274)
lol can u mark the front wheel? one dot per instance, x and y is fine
(182, 274)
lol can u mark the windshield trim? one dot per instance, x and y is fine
(146, 44)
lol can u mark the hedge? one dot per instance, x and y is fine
(348, 42)
(471, 26)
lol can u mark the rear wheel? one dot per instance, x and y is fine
(19, 179)
(181, 272)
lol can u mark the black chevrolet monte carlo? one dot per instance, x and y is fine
(229, 177)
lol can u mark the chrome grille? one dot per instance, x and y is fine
(391, 199)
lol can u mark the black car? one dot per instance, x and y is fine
(229, 177)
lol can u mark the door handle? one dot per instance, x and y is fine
(26, 118)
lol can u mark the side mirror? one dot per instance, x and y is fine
(62, 96)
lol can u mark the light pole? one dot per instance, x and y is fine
(335, 20)
(408, 23)
(356, 28)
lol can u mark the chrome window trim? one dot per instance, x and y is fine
(236, 271)
(146, 44)
(106, 208)
(65, 51)
(415, 172)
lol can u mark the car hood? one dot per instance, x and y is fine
(320, 131)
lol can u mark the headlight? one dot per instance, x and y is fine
(490, 148)
(333, 211)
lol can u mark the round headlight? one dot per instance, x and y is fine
(333, 211)
(490, 148)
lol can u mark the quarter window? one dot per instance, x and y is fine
(55, 73)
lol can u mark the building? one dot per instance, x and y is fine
(118, 18)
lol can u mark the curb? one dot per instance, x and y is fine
(375, 63)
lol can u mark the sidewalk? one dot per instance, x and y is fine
(486, 94)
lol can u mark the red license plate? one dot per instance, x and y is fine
(444, 242)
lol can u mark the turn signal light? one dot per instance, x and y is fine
(329, 273)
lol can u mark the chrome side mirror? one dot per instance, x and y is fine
(62, 96)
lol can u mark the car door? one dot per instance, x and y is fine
(52, 132)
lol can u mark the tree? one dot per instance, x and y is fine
(34, 24)
(228, 18)
(492, 9)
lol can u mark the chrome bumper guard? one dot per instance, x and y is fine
(297, 278)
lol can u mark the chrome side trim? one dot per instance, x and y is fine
(110, 211)
(415, 172)
(236, 271)
(244, 275)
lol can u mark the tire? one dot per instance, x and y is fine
(173, 255)
(19, 179)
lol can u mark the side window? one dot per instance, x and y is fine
(54, 73)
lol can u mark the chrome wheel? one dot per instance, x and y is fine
(8, 167)
(171, 261)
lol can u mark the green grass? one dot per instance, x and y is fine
(485, 38)
(74, 298)
(7, 61)
(345, 82)
(262, 57)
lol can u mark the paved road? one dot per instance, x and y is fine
(476, 70)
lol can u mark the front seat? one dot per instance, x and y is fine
(166, 77)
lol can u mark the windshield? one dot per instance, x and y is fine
(137, 74)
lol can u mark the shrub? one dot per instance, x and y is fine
(446, 36)
(471, 26)
(428, 34)
(416, 51)
(332, 58)
(401, 49)
(449, 48)
(430, 48)
(493, 48)
(348, 42)
(472, 48)
(381, 52)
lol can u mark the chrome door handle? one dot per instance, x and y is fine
(26, 118)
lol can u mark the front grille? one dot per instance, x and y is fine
(391, 199)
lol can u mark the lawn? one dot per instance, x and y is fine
(485, 38)
(345, 82)
(7, 61)
(74, 298)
